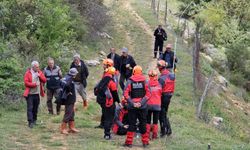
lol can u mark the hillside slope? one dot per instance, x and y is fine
(132, 25)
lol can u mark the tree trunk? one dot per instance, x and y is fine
(196, 59)
(158, 9)
(166, 12)
(153, 6)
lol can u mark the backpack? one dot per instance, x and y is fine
(100, 90)
(62, 95)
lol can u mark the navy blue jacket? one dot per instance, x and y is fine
(116, 61)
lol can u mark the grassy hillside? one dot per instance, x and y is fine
(188, 132)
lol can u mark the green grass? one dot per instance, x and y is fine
(188, 132)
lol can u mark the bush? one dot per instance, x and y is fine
(237, 78)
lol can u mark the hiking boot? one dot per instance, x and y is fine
(107, 137)
(64, 128)
(72, 127)
(169, 132)
(85, 104)
(31, 125)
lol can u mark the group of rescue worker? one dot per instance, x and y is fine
(145, 100)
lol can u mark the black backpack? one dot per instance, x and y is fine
(100, 89)
(62, 95)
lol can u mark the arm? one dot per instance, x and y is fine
(117, 114)
(147, 95)
(162, 82)
(86, 70)
(113, 90)
(27, 82)
(155, 33)
(133, 64)
(60, 73)
(42, 78)
(126, 92)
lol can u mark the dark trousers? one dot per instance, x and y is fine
(50, 94)
(109, 113)
(102, 116)
(158, 45)
(141, 115)
(69, 113)
(155, 116)
(164, 121)
(122, 80)
(33, 102)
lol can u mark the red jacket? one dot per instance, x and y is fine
(28, 82)
(154, 102)
(128, 90)
(111, 87)
(167, 80)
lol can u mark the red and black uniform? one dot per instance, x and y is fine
(167, 80)
(137, 91)
(106, 97)
(121, 119)
(154, 107)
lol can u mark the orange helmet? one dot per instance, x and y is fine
(152, 73)
(110, 70)
(137, 70)
(162, 64)
(108, 62)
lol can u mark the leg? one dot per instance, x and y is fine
(82, 92)
(148, 126)
(142, 117)
(132, 117)
(58, 105)
(155, 48)
(163, 115)
(122, 79)
(160, 48)
(29, 101)
(50, 94)
(109, 114)
(155, 124)
(36, 103)
(168, 126)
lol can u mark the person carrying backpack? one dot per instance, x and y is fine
(68, 98)
(167, 80)
(137, 94)
(107, 95)
(154, 103)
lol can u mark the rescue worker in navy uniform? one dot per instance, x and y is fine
(137, 94)
(160, 36)
(107, 95)
(167, 80)
(53, 74)
(120, 126)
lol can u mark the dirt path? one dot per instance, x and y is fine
(141, 22)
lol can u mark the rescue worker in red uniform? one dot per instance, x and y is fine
(120, 126)
(167, 80)
(137, 94)
(106, 64)
(107, 95)
(154, 103)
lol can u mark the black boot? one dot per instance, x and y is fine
(155, 55)
(169, 130)
(58, 109)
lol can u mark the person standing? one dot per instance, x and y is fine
(107, 95)
(68, 99)
(154, 103)
(53, 74)
(115, 57)
(169, 57)
(137, 94)
(81, 78)
(127, 63)
(167, 80)
(160, 36)
(34, 80)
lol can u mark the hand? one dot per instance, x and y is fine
(37, 84)
(126, 126)
(120, 105)
(138, 105)
(128, 65)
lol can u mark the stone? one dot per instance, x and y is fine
(102, 53)
(92, 63)
(222, 80)
(217, 121)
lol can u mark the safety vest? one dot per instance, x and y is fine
(53, 78)
(138, 89)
